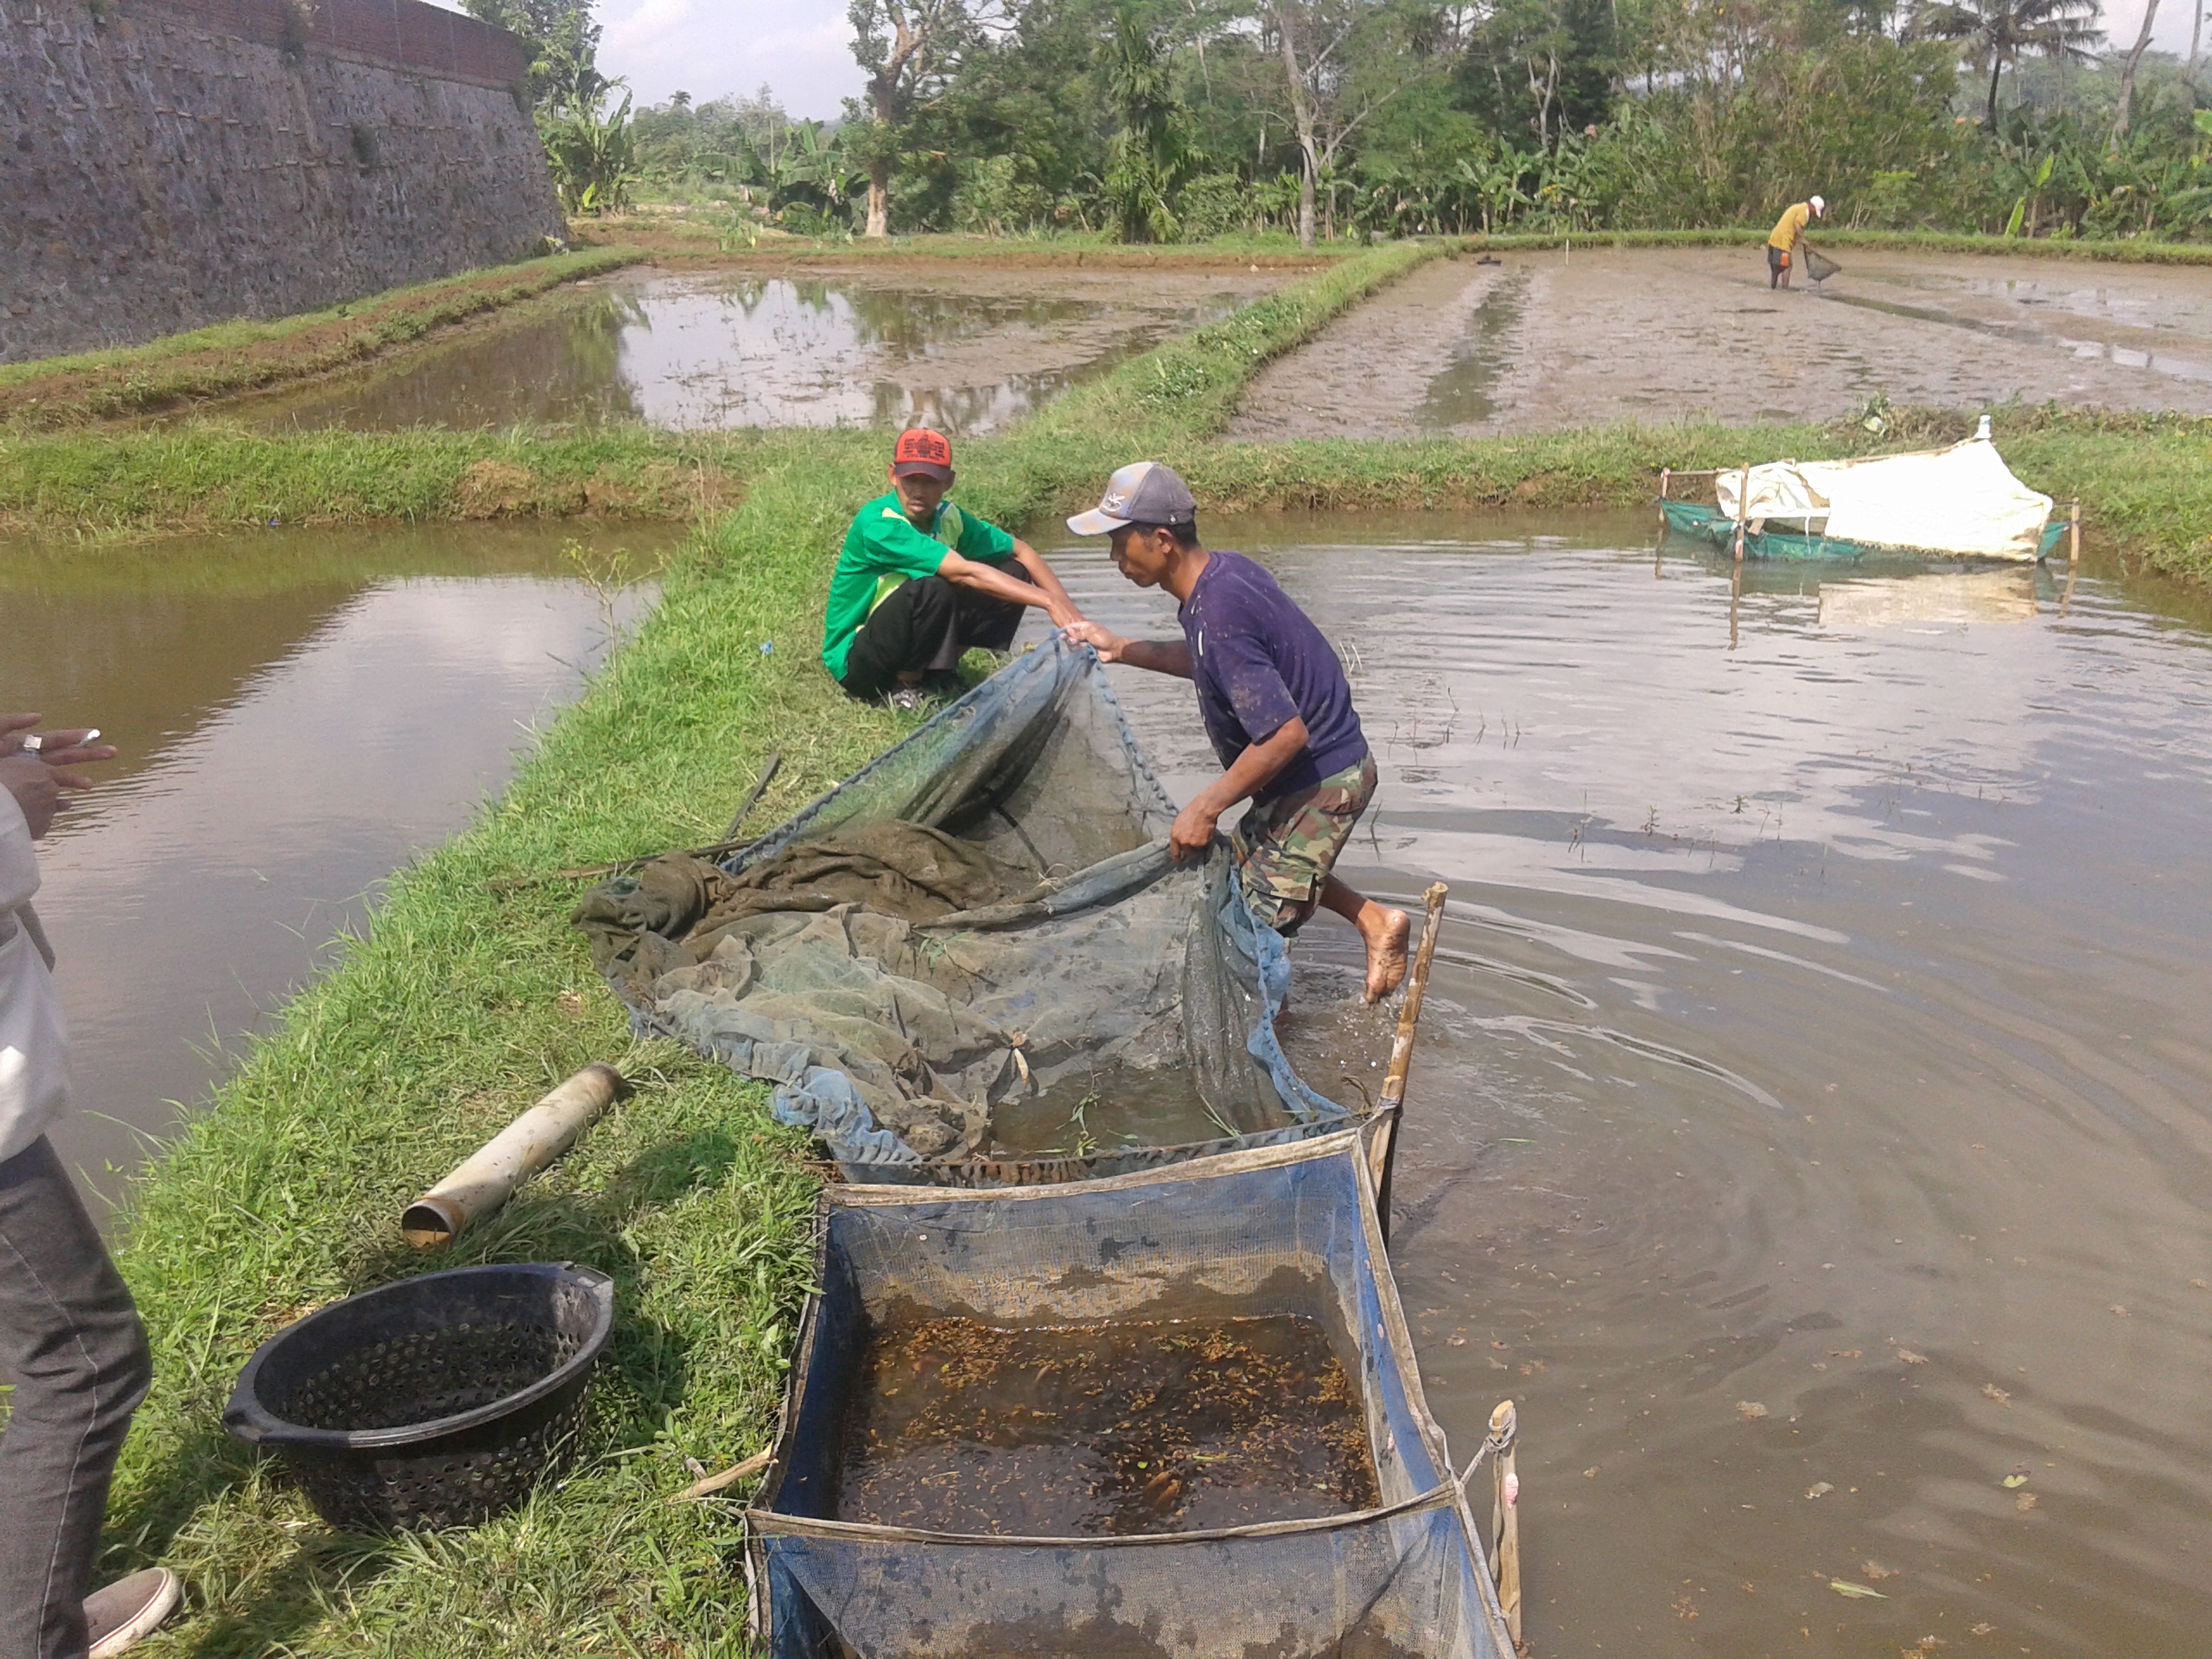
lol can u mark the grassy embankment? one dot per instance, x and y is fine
(246, 356)
(463, 1002)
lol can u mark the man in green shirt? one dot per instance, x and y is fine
(918, 580)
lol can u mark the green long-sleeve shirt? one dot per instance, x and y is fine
(883, 550)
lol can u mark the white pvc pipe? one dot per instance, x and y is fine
(489, 1179)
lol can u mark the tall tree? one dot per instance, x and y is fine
(563, 42)
(1342, 61)
(1148, 155)
(1998, 33)
(901, 43)
(2127, 110)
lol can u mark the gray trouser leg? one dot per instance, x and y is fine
(71, 1342)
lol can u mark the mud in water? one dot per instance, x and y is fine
(1566, 339)
(966, 350)
(1144, 1426)
(1812, 1123)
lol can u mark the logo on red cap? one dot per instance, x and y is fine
(918, 445)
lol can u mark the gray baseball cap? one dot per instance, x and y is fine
(1143, 493)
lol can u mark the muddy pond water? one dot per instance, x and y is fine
(966, 350)
(1812, 1128)
(299, 712)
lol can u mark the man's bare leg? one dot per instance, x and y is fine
(1385, 932)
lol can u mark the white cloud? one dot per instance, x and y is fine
(801, 48)
(714, 48)
(2123, 20)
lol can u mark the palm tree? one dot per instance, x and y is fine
(1996, 33)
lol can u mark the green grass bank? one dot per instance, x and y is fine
(464, 1001)
(247, 355)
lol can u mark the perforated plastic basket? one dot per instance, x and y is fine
(437, 1401)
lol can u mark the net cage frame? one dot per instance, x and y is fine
(936, 773)
(1408, 1576)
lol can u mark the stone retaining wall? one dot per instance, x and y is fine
(169, 163)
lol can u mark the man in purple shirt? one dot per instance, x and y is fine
(1275, 704)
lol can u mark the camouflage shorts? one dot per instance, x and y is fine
(1286, 848)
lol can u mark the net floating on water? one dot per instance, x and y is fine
(973, 963)
(1273, 1253)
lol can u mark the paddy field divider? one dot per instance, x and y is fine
(465, 999)
(460, 1004)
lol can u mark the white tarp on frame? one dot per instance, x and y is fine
(1962, 500)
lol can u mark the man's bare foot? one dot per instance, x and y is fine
(1386, 932)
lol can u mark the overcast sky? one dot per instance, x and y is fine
(711, 49)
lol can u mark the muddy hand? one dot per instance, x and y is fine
(1104, 641)
(1194, 833)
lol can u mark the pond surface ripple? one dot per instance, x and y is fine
(1812, 1127)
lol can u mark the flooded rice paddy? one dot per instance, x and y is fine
(965, 350)
(1143, 1426)
(1812, 1128)
(299, 712)
(1574, 338)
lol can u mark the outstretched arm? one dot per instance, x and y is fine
(1160, 656)
(1061, 609)
(984, 578)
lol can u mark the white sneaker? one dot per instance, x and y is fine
(125, 1612)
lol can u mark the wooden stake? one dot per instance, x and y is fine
(713, 1483)
(1505, 1518)
(2073, 533)
(1401, 1046)
(1743, 511)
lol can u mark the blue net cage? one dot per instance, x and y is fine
(1278, 1231)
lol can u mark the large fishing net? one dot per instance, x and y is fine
(973, 962)
(993, 1486)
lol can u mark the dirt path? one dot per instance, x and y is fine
(1562, 340)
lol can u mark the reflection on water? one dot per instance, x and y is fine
(1813, 1124)
(723, 351)
(298, 712)
(1949, 598)
(1462, 392)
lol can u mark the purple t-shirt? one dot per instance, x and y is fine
(1258, 660)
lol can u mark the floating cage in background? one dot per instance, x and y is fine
(1284, 1231)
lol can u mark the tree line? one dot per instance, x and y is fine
(1181, 120)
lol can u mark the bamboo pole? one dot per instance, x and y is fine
(1505, 1518)
(713, 1483)
(1743, 511)
(2073, 533)
(1402, 1046)
(489, 1179)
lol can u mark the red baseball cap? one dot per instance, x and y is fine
(919, 450)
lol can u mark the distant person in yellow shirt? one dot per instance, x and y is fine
(1789, 232)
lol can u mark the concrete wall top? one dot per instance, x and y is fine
(405, 33)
